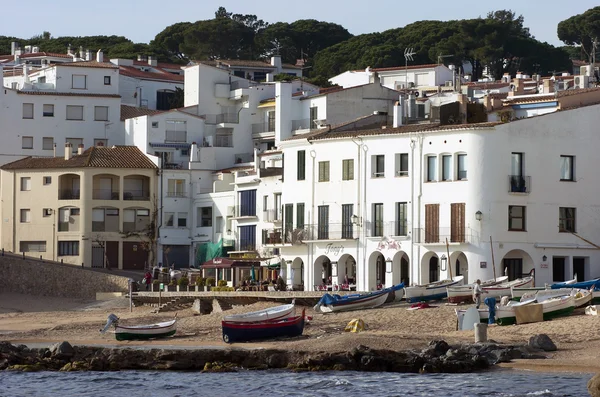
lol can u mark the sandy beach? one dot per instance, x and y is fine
(34, 319)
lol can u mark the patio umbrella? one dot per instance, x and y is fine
(252, 275)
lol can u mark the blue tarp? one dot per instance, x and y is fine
(491, 303)
(329, 299)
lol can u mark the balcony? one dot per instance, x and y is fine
(303, 124)
(259, 128)
(380, 229)
(105, 194)
(519, 184)
(332, 231)
(273, 237)
(139, 195)
(68, 194)
(271, 171)
(438, 236)
(178, 165)
(278, 236)
(242, 211)
(69, 187)
(272, 216)
(223, 118)
(177, 194)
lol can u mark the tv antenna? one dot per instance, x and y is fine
(440, 57)
(408, 56)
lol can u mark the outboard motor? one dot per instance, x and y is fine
(112, 319)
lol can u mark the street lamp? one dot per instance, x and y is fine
(478, 215)
(444, 261)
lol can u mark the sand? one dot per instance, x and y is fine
(32, 320)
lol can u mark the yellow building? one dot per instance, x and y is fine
(96, 208)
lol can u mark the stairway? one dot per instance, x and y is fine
(174, 304)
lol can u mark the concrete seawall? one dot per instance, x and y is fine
(44, 278)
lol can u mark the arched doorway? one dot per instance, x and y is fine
(322, 273)
(460, 265)
(377, 272)
(515, 264)
(434, 269)
(400, 269)
(296, 275)
(347, 272)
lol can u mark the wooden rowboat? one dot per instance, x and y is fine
(243, 332)
(464, 293)
(336, 303)
(272, 313)
(504, 289)
(141, 332)
(433, 291)
(518, 292)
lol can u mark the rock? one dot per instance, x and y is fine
(62, 350)
(593, 386)
(542, 342)
(277, 360)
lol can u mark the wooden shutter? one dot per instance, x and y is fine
(457, 222)
(432, 223)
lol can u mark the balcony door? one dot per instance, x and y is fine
(517, 180)
(323, 225)
(432, 223)
(457, 222)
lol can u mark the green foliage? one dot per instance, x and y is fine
(222, 283)
(177, 101)
(581, 30)
(284, 77)
(183, 281)
(173, 283)
(210, 282)
(222, 289)
(155, 282)
(200, 281)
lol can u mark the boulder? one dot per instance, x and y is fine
(593, 386)
(542, 342)
(62, 350)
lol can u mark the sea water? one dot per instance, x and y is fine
(496, 383)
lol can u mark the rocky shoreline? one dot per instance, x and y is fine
(437, 357)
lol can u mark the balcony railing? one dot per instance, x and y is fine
(63, 226)
(519, 184)
(439, 235)
(271, 171)
(258, 128)
(244, 211)
(332, 231)
(140, 195)
(177, 194)
(272, 216)
(105, 194)
(212, 119)
(69, 194)
(280, 236)
(273, 237)
(303, 124)
(392, 228)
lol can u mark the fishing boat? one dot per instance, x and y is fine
(432, 291)
(582, 284)
(464, 293)
(558, 306)
(336, 303)
(505, 314)
(582, 296)
(140, 332)
(504, 288)
(272, 313)
(483, 314)
(243, 332)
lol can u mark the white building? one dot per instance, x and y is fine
(258, 71)
(399, 77)
(378, 205)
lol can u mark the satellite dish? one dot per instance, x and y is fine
(416, 94)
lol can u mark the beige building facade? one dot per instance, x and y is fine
(96, 208)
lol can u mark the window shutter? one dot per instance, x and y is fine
(350, 170)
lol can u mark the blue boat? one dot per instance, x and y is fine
(248, 331)
(582, 285)
(336, 303)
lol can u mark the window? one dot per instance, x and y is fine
(247, 200)
(377, 220)
(301, 165)
(98, 224)
(247, 238)
(446, 167)
(155, 124)
(79, 82)
(47, 180)
(75, 211)
(347, 226)
(182, 219)
(431, 168)
(323, 222)
(68, 248)
(204, 217)
(401, 219)
(401, 164)
(169, 219)
(75, 142)
(74, 112)
(271, 121)
(25, 216)
(314, 114)
(101, 113)
(516, 218)
(288, 219)
(348, 170)
(461, 167)
(32, 246)
(48, 110)
(25, 184)
(277, 205)
(27, 142)
(323, 171)
(100, 142)
(176, 188)
(566, 220)
(265, 203)
(300, 215)
(378, 166)
(567, 164)
(175, 131)
(106, 80)
(47, 143)
(185, 152)
(28, 110)
(47, 212)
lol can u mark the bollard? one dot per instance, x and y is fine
(61, 262)
(480, 332)
(82, 265)
(2, 251)
(41, 260)
(23, 255)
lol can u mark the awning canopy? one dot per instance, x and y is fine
(267, 104)
(226, 263)
(272, 263)
(170, 145)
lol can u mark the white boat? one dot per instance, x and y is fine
(335, 303)
(582, 296)
(518, 292)
(433, 291)
(504, 289)
(136, 332)
(464, 293)
(272, 313)
(505, 314)
(483, 314)
(558, 306)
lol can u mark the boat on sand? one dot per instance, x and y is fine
(243, 332)
(432, 291)
(335, 303)
(141, 332)
(464, 293)
(272, 313)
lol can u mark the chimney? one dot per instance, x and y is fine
(25, 73)
(81, 53)
(88, 55)
(548, 86)
(152, 61)
(140, 57)
(398, 113)
(276, 61)
(69, 50)
(270, 78)
(412, 106)
(99, 56)
(506, 78)
(13, 47)
(194, 153)
(80, 149)
(374, 78)
(68, 151)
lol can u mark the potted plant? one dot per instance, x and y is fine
(199, 284)
(155, 285)
(210, 282)
(182, 284)
(222, 283)
(172, 286)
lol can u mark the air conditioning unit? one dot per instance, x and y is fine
(448, 83)
(583, 70)
(231, 210)
(581, 82)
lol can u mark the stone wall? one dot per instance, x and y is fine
(35, 277)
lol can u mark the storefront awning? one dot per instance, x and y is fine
(267, 104)
(272, 263)
(226, 263)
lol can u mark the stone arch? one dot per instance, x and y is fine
(400, 269)
(321, 271)
(516, 263)
(347, 271)
(297, 274)
(377, 271)
(430, 268)
(460, 265)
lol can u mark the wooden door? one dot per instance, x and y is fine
(134, 256)
(112, 254)
(432, 223)
(457, 222)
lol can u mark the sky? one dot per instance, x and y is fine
(140, 21)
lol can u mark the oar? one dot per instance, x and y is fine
(493, 263)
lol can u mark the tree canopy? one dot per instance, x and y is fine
(582, 29)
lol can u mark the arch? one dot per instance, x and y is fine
(516, 263)
(347, 271)
(136, 187)
(69, 186)
(322, 272)
(377, 271)
(460, 265)
(105, 186)
(400, 269)
(297, 274)
(430, 269)
(68, 218)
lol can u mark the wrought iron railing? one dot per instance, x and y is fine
(519, 184)
(440, 234)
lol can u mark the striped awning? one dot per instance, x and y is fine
(182, 145)
(266, 104)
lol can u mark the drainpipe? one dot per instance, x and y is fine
(419, 199)
(311, 268)
(358, 206)
(412, 209)
(364, 219)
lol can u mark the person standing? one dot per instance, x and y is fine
(148, 280)
(477, 291)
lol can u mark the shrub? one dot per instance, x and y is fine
(155, 282)
(183, 282)
(200, 281)
(222, 283)
(210, 281)
(173, 283)
(223, 289)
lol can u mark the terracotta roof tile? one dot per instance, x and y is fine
(129, 112)
(69, 94)
(94, 157)
(88, 64)
(130, 71)
(45, 54)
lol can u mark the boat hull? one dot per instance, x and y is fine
(504, 289)
(244, 332)
(367, 301)
(273, 313)
(464, 293)
(434, 291)
(154, 331)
